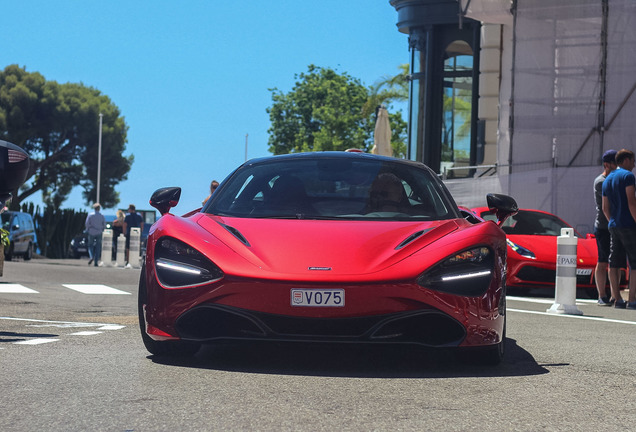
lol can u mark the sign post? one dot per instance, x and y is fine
(565, 283)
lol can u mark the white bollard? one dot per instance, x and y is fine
(121, 251)
(565, 283)
(107, 247)
(135, 246)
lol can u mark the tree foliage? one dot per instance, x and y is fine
(58, 125)
(387, 90)
(325, 110)
(322, 112)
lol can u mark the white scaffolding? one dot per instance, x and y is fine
(572, 96)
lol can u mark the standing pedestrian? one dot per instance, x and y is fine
(619, 207)
(132, 220)
(601, 231)
(213, 186)
(95, 225)
(119, 227)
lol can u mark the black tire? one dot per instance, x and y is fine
(160, 348)
(485, 356)
(29, 252)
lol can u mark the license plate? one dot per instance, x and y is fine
(318, 297)
(583, 272)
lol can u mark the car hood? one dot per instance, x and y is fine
(314, 246)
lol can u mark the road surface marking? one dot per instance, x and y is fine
(85, 333)
(65, 324)
(94, 289)
(37, 341)
(573, 316)
(111, 327)
(16, 289)
(547, 301)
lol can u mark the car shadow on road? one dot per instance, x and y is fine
(359, 361)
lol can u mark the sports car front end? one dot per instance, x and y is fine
(415, 276)
(532, 251)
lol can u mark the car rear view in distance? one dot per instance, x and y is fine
(21, 234)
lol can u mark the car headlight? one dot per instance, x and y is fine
(465, 273)
(521, 250)
(178, 264)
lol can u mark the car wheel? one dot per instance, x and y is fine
(160, 348)
(485, 356)
(29, 252)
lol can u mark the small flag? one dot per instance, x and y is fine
(16, 156)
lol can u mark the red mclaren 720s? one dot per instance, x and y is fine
(326, 247)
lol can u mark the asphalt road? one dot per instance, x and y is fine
(72, 360)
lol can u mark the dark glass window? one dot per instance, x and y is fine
(457, 108)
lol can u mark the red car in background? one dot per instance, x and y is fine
(532, 250)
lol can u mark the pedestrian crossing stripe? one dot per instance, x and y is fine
(16, 289)
(94, 289)
(37, 341)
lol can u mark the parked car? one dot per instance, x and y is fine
(325, 247)
(532, 250)
(21, 234)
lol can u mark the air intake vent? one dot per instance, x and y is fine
(412, 238)
(236, 233)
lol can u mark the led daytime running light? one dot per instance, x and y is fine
(520, 250)
(466, 276)
(178, 267)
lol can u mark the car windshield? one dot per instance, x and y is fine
(527, 222)
(333, 188)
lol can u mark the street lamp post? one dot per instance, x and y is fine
(99, 156)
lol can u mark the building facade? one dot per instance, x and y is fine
(521, 97)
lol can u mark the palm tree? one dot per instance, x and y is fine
(388, 89)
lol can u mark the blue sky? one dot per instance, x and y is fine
(191, 78)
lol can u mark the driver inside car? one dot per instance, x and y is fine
(387, 195)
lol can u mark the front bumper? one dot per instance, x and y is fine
(427, 327)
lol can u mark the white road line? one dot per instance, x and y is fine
(85, 333)
(65, 324)
(546, 301)
(37, 341)
(16, 289)
(111, 327)
(94, 289)
(573, 316)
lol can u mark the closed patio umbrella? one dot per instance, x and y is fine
(382, 134)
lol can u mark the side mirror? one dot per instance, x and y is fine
(14, 167)
(165, 198)
(503, 206)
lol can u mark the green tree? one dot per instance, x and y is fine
(330, 111)
(387, 90)
(322, 112)
(58, 125)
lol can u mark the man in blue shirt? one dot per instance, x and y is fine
(619, 206)
(133, 220)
